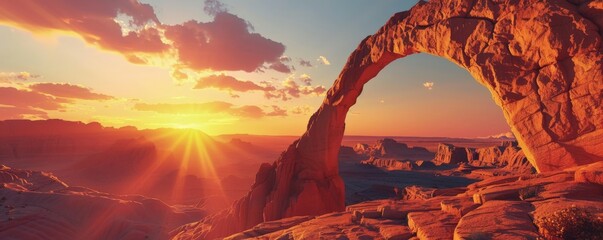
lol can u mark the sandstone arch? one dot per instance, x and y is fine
(540, 60)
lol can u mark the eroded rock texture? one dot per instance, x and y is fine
(449, 154)
(540, 60)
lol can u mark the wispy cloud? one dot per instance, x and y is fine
(305, 63)
(291, 89)
(17, 76)
(288, 89)
(306, 79)
(301, 110)
(428, 85)
(323, 60)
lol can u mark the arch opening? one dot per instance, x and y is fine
(401, 101)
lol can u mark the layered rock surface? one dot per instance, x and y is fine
(449, 154)
(541, 62)
(490, 209)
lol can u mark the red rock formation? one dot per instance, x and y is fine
(449, 154)
(541, 61)
(388, 163)
(390, 148)
(508, 155)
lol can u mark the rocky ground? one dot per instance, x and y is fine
(500, 207)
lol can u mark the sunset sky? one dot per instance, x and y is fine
(258, 67)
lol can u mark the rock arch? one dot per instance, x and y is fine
(540, 60)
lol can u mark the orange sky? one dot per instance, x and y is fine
(222, 67)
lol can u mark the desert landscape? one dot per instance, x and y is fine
(134, 119)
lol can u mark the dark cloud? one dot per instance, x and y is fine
(281, 67)
(305, 63)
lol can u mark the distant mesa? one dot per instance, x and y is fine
(507, 156)
(390, 148)
(505, 135)
(237, 142)
(389, 154)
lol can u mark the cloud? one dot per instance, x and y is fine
(132, 29)
(66, 90)
(216, 107)
(289, 87)
(29, 99)
(94, 21)
(177, 74)
(281, 67)
(301, 110)
(306, 79)
(323, 60)
(17, 76)
(428, 85)
(213, 7)
(33, 101)
(226, 44)
(305, 63)
(225, 82)
(21, 113)
(277, 111)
